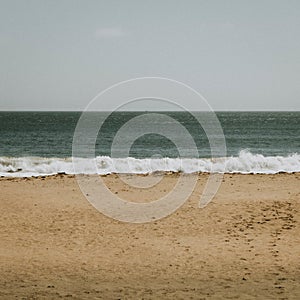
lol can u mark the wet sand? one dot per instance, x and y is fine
(244, 245)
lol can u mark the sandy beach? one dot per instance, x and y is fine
(244, 245)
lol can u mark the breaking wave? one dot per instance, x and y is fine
(245, 163)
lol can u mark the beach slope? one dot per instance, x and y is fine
(244, 244)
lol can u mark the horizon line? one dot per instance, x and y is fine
(149, 110)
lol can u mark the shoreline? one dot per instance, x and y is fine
(244, 244)
(165, 173)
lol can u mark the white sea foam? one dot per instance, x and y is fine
(245, 163)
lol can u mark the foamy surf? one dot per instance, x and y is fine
(245, 163)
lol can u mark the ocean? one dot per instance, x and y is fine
(40, 143)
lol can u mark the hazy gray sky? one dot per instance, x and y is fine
(238, 54)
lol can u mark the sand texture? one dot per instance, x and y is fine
(244, 245)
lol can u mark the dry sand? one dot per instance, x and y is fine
(245, 244)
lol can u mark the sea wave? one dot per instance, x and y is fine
(244, 163)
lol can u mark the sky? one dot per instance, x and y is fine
(240, 55)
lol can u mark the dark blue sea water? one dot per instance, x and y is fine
(50, 134)
(41, 142)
